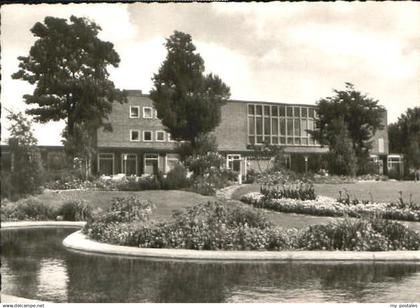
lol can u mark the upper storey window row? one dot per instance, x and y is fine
(282, 125)
(147, 112)
(281, 111)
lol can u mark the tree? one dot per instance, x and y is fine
(68, 66)
(26, 176)
(342, 158)
(361, 115)
(404, 137)
(187, 101)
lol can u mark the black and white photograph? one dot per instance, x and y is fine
(210, 152)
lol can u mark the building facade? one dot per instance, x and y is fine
(139, 144)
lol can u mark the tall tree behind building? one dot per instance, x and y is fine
(187, 101)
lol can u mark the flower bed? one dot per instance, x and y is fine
(215, 226)
(325, 206)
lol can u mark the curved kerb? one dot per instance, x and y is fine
(80, 242)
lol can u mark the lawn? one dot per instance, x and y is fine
(380, 191)
(165, 201)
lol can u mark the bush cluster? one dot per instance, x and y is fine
(218, 226)
(301, 191)
(360, 235)
(34, 209)
(325, 206)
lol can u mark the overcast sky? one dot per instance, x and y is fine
(281, 52)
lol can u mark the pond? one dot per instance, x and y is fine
(36, 265)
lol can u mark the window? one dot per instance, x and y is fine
(134, 135)
(169, 137)
(147, 112)
(171, 161)
(129, 164)
(297, 112)
(282, 111)
(134, 112)
(251, 109)
(274, 111)
(290, 127)
(106, 163)
(289, 111)
(234, 162)
(160, 135)
(147, 135)
(381, 145)
(151, 163)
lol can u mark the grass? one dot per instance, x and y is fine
(166, 201)
(381, 191)
(169, 200)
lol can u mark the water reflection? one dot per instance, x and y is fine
(37, 266)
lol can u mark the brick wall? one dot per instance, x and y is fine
(122, 124)
(231, 134)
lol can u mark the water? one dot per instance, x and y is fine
(36, 265)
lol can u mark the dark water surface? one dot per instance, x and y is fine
(36, 265)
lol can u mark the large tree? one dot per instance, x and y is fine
(361, 115)
(404, 137)
(68, 66)
(187, 101)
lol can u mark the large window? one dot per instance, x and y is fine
(279, 124)
(106, 163)
(129, 164)
(151, 163)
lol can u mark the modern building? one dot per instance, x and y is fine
(138, 143)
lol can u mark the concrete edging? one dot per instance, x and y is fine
(40, 224)
(80, 242)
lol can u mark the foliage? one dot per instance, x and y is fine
(404, 137)
(301, 191)
(218, 226)
(75, 210)
(187, 102)
(201, 165)
(341, 158)
(27, 174)
(361, 114)
(26, 209)
(205, 143)
(176, 178)
(324, 206)
(68, 66)
(360, 235)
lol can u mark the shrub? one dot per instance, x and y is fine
(214, 226)
(345, 234)
(26, 209)
(299, 191)
(78, 210)
(325, 206)
(127, 209)
(209, 163)
(176, 178)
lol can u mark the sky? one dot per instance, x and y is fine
(279, 51)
